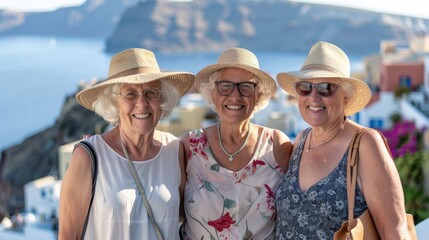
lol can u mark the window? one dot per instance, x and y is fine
(405, 81)
(376, 123)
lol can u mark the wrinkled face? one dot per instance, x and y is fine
(139, 107)
(321, 102)
(235, 94)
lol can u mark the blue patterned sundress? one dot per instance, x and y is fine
(318, 212)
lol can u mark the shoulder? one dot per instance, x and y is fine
(279, 136)
(372, 140)
(282, 147)
(374, 152)
(80, 155)
(188, 135)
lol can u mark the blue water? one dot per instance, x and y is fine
(37, 73)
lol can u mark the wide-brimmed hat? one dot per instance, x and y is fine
(326, 60)
(237, 58)
(135, 66)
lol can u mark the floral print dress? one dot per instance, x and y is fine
(318, 212)
(225, 204)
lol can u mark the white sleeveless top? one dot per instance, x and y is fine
(225, 204)
(117, 211)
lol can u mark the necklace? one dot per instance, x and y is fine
(231, 156)
(328, 141)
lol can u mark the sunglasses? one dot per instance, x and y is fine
(225, 88)
(323, 89)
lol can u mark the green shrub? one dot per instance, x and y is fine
(411, 171)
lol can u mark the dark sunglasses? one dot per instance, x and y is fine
(323, 89)
(225, 88)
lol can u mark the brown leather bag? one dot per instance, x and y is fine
(363, 227)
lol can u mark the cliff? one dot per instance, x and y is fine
(276, 25)
(37, 156)
(213, 25)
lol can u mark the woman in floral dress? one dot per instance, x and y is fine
(234, 166)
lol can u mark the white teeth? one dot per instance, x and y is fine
(141, 116)
(234, 107)
(316, 108)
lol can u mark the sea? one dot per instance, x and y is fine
(38, 72)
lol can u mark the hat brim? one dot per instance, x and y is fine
(359, 99)
(182, 81)
(266, 79)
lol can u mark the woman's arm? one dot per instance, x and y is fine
(381, 186)
(282, 148)
(76, 190)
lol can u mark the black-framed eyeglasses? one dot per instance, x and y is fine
(246, 89)
(323, 89)
(132, 95)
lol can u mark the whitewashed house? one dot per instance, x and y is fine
(42, 198)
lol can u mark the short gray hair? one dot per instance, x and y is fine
(106, 107)
(207, 88)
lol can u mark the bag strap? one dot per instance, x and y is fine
(142, 192)
(94, 168)
(352, 166)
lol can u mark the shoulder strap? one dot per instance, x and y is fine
(352, 166)
(142, 193)
(94, 167)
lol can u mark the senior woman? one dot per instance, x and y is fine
(234, 166)
(312, 198)
(133, 98)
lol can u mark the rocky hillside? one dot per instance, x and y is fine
(275, 25)
(37, 156)
(213, 25)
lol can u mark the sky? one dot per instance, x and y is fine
(37, 5)
(415, 8)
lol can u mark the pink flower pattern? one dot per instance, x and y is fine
(249, 170)
(268, 208)
(197, 146)
(210, 185)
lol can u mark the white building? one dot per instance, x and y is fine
(42, 198)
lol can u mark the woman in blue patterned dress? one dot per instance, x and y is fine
(311, 200)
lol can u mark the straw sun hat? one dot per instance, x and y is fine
(237, 58)
(135, 66)
(326, 60)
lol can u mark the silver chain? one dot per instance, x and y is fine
(231, 156)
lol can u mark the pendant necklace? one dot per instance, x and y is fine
(231, 156)
(328, 141)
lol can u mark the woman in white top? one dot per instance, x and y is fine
(134, 97)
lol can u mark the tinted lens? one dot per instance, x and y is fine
(225, 88)
(246, 88)
(323, 89)
(326, 89)
(303, 88)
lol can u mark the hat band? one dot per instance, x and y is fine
(137, 70)
(322, 67)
